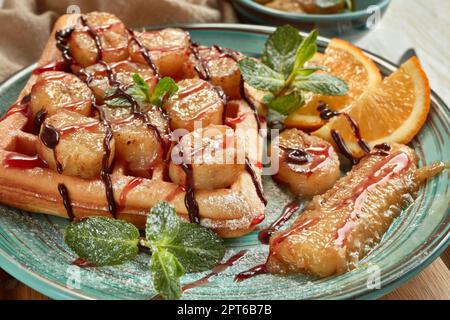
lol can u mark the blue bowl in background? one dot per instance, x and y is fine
(349, 25)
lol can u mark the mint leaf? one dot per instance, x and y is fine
(308, 71)
(324, 84)
(139, 91)
(305, 52)
(165, 88)
(162, 224)
(281, 48)
(287, 104)
(103, 241)
(260, 76)
(166, 273)
(140, 84)
(197, 248)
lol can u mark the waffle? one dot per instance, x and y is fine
(230, 212)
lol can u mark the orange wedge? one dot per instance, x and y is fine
(347, 62)
(393, 111)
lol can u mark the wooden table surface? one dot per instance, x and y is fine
(419, 24)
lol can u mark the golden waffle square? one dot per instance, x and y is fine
(27, 183)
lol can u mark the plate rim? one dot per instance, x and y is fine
(56, 291)
(256, 7)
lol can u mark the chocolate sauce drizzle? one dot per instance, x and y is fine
(382, 149)
(26, 99)
(145, 53)
(39, 119)
(355, 128)
(244, 96)
(66, 200)
(189, 200)
(62, 37)
(205, 74)
(343, 146)
(94, 36)
(135, 111)
(50, 138)
(256, 182)
(105, 171)
(120, 92)
(297, 156)
(325, 112)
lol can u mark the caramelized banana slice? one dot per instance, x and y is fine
(196, 100)
(221, 64)
(212, 153)
(55, 91)
(137, 143)
(102, 78)
(307, 164)
(104, 37)
(167, 48)
(340, 227)
(72, 144)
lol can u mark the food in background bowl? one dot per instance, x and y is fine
(309, 6)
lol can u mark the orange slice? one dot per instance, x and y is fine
(347, 62)
(393, 111)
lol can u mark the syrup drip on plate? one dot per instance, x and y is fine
(216, 270)
(288, 211)
(252, 272)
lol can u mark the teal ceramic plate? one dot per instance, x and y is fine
(32, 247)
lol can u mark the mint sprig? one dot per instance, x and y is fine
(177, 246)
(282, 72)
(140, 91)
(179, 242)
(103, 241)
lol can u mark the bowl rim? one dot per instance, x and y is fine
(382, 4)
(57, 291)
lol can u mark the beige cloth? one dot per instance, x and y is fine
(25, 25)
